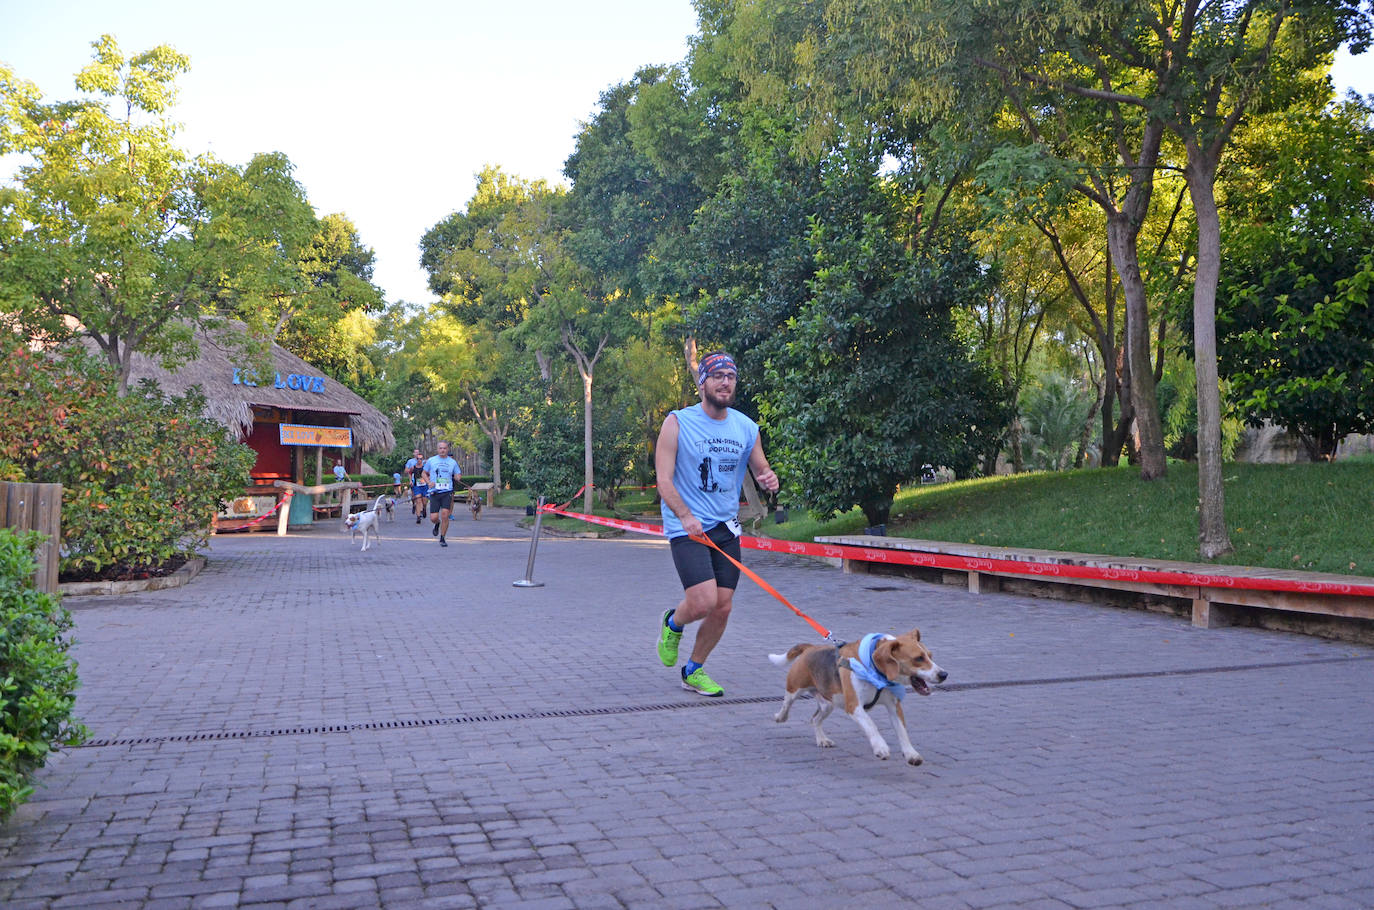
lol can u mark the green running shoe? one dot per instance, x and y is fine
(667, 642)
(701, 684)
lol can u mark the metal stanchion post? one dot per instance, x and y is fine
(528, 581)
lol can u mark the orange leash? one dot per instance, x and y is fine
(822, 630)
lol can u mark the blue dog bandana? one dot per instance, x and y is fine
(862, 666)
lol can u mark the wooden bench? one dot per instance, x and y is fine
(487, 490)
(1210, 607)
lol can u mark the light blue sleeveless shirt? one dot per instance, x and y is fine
(712, 456)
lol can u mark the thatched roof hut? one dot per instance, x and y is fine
(227, 380)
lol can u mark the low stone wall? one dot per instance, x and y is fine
(178, 578)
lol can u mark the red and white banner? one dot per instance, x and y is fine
(898, 557)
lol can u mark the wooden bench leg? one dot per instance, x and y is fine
(978, 583)
(856, 567)
(1208, 615)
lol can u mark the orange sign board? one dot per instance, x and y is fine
(297, 434)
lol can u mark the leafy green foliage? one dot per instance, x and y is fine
(491, 262)
(113, 232)
(874, 381)
(633, 194)
(1053, 412)
(613, 448)
(1295, 318)
(37, 675)
(548, 443)
(142, 475)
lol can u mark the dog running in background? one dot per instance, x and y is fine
(475, 503)
(858, 676)
(366, 522)
(390, 507)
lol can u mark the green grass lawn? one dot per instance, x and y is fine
(1318, 517)
(1299, 516)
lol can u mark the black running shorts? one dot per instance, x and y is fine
(697, 562)
(440, 500)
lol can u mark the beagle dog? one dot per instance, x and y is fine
(857, 676)
(366, 522)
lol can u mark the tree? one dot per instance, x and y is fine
(635, 187)
(504, 263)
(143, 475)
(1096, 86)
(1054, 412)
(1027, 292)
(491, 262)
(873, 381)
(117, 235)
(1226, 60)
(496, 388)
(106, 206)
(405, 390)
(317, 312)
(1295, 323)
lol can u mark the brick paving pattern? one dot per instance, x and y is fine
(309, 726)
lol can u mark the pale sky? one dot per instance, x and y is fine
(388, 110)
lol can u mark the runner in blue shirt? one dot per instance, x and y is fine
(702, 454)
(441, 472)
(418, 491)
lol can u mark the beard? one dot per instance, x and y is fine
(719, 399)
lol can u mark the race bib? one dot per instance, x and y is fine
(443, 484)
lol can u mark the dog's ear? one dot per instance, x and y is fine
(885, 657)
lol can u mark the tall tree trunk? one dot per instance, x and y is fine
(1121, 239)
(586, 366)
(1213, 538)
(490, 422)
(587, 441)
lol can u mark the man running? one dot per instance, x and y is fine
(418, 492)
(440, 473)
(701, 458)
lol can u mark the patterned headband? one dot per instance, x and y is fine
(712, 362)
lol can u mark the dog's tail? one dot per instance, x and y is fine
(379, 504)
(792, 654)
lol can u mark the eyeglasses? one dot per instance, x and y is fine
(723, 375)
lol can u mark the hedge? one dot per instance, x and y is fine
(37, 675)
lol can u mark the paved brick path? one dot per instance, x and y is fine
(305, 725)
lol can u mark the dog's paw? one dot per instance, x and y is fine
(913, 758)
(881, 754)
(825, 742)
(780, 717)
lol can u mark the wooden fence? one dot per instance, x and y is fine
(36, 507)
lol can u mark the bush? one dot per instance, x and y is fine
(549, 446)
(37, 676)
(142, 474)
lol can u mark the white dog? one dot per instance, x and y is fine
(366, 522)
(390, 503)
